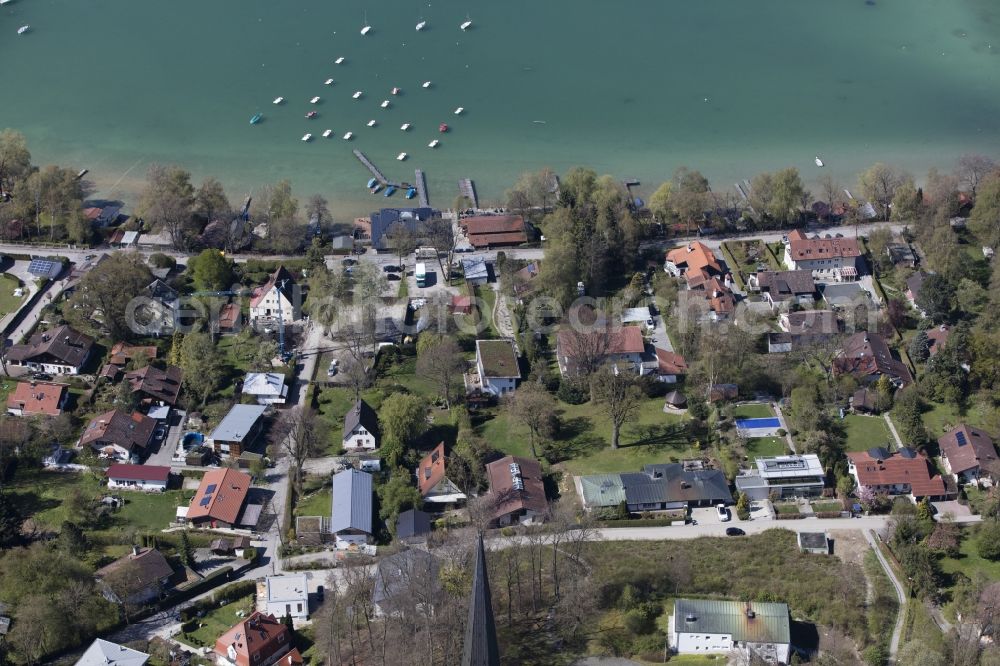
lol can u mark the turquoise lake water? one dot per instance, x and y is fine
(630, 87)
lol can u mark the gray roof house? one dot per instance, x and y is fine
(103, 653)
(656, 488)
(748, 628)
(782, 287)
(237, 431)
(351, 511)
(268, 388)
(413, 526)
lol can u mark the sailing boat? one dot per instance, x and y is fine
(421, 24)
(367, 28)
(467, 24)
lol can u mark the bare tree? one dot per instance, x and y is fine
(355, 371)
(586, 350)
(441, 236)
(442, 363)
(971, 169)
(402, 240)
(618, 396)
(127, 587)
(168, 199)
(299, 438)
(533, 407)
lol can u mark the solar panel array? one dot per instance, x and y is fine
(960, 437)
(45, 267)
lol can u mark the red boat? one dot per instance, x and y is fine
(311, 114)
(443, 127)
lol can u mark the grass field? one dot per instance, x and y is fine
(8, 301)
(941, 418)
(317, 504)
(824, 507)
(216, 622)
(785, 507)
(969, 562)
(754, 410)
(864, 432)
(767, 446)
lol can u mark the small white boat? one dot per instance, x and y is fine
(279, 100)
(372, 123)
(459, 110)
(307, 137)
(384, 104)
(396, 91)
(365, 30)
(421, 25)
(348, 135)
(819, 162)
(328, 82)
(357, 95)
(23, 29)
(314, 100)
(466, 25)
(327, 133)
(404, 126)
(433, 144)
(401, 157)
(426, 84)
(339, 61)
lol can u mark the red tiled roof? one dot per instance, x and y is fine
(803, 248)
(226, 499)
(507, 498)
(431, 470)
(966, 448)
(229, 315)
(461, 304)
(897, 470)
(623, 340)
(121, 352)
(281, 275)
(259, 635)
(37, 398)
(495, 230)
(671, 363)
(139, 472)
(938, 337)
(866, 354)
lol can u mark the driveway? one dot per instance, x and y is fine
(168, 446)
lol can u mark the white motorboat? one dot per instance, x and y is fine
(327, 133)
(420, 26)
(314, 100)
(23, 29)
(819, 162)
(307, 137)
(396, 91)
(426, 84)
(467, 24)
(372, 123)
(384, 104)
(459, 110)
(357, 95)
(433, 144)
(401, 157)
(367, 28)
(348, 135)
(339, 61)
(279, 100)
(404, 126)
(328, 82)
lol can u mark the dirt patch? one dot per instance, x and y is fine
(850, 546)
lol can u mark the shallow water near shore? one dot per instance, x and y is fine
(633, 88)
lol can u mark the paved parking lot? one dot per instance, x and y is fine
(706, 515)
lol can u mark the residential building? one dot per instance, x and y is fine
(517, 491)
(969, 455)
(865, 400)
(279, 295)
(158, 311)
(230, 319)
(695, 262)
(670, 366)
(905, 472)
(844, 296)
(434, 485)
(37, 399)
(480, 647)
(156, 386)
(413, 526)
(803, 328)
(239, 429)
(221, 499)
(59, 351)
(258, 640)
(901, 254)
(913, 285)
(268, 388)
(412, 219)
(782, 289)
(287, 594)
(146, 571)
(490, 231)
(662, 487)
(476, 271)
(235, 546)
(103, 653)
(867, 357)
(45, 269)
(828, 258)
(121, 354)
(119, 435)
(361, 429)
(496, 365)
(523, 279)
(405, 584)
(751, 629)
(938, 338)
(138, 477)
(351, 516)
(784, 476)
(461, 304)
(622, 347)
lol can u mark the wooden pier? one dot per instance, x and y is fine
(468, 190)
(421, 186)
(379, 176)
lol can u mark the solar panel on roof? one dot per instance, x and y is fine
(205, 500)
(211, 488)
(960, 436)
(44, 267)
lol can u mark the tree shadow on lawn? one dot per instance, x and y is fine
(584, 444)
(439, 432)
(659, 437)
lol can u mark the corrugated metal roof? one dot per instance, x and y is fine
(238, 422)
(352, 501)
(769, 622)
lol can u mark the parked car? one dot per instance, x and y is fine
(392, 277)
(735, 531)
(160, 432)
(41, 376)
(349, 262)
(723, 512)
(391, 269)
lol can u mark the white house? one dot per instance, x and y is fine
(287, 595)
(496, 364)
(268, 388)
(834, 259)
(138, 477)
(60, 351)
(748, 628)
(361, 427)
(280, 294)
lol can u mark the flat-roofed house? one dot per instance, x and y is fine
(660, 487)
(786, 476)
(287, 594)
(968, 454)
(433, 483)
(37, 399)
(517, 491)
(238, 430)
(258, 640)
(828, 258)
(59, 351)
(117, 434)
(905, 472)
(351, 515)
(361, 429)
(496, 364)
(220, 499)
(752, 629)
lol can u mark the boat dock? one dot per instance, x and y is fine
(468, 190)
(379, 176)
(421, 186)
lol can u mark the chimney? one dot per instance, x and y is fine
(135, 551)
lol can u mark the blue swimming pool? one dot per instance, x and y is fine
(756, 424)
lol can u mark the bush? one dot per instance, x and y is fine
(988, 541)
(573, 392)
(160, 260)
(642, 619)
(781, 432)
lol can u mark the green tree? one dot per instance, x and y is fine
(985, 218)
(15, 159)
(210, 201)
(988, 540)
(185, 551)
(743, 507)
(777, 196)
(936, 298)
(920, 347)
(660, 203)
(402, 418)
(879, 184)
(906, 415)
(101, 301)
(972, 298)
(532, 407)
(317, 210)
(211, 271)
(395, 496)
(168, 200)
(202, 368)
(316, 253)
(618, 397)
(689, 195)
(906, 202)
(11, 520)
(442, 363)
(328, 294)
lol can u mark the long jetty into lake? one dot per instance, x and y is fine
(421, 184)
(468, 190)
(379, 176)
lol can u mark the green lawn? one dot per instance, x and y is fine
(785, 507)
(8, 301)
(823, 507)
(317, 504)
(753, 411)
(583, 445)
(969, 562)
(941, 418)
(763, 447)
(216, 623)
(864, 432)
(488, 298)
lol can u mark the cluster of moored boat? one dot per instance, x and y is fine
(374, 186)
